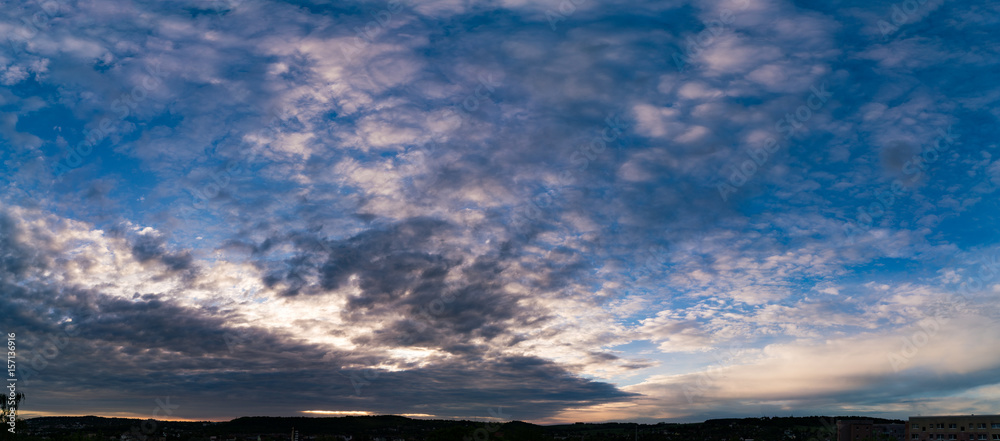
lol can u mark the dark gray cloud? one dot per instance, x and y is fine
(101, 348)
(148, 247)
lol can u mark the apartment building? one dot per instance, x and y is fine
(868, 430)
(854, 430)
(954, 428)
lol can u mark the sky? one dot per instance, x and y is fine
(549, 211)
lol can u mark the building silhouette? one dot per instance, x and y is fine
(868, 430)
(955, 428)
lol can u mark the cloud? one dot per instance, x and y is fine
(88, 338)
(514, 204)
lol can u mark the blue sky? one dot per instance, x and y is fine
(573, 211)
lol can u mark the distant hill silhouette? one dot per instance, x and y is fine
(813, 428)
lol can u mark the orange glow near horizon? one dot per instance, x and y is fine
(130, 415)
(366, 413)
(340, 412)
(38, 414)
